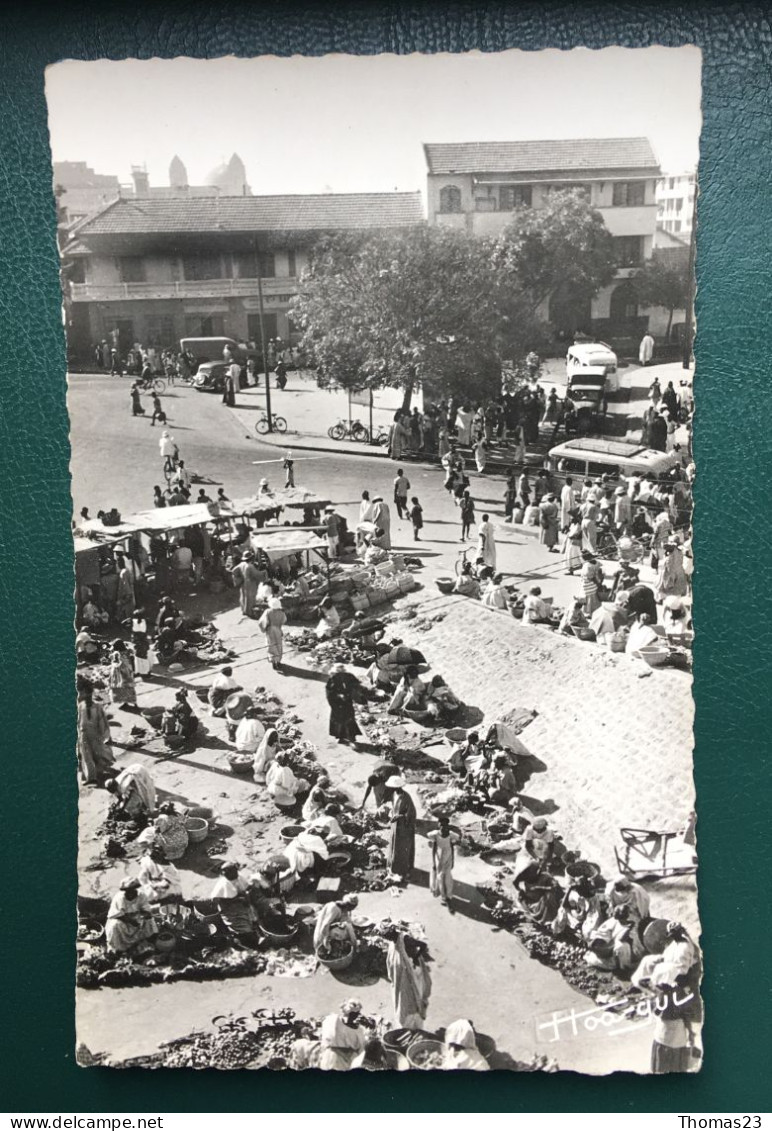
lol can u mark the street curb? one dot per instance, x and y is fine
(287, 440)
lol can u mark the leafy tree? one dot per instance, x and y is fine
(395, 309)
(664, 281)
(565, 244)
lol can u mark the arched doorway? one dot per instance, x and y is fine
(569, 311)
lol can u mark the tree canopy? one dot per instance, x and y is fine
(398, 308)
(664, 281)
(565, 244)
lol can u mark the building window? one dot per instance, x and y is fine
(671, 183)
(628, 251)
(679, 203)
(292, 267)
(629, 194)
(132, 269)
(570, 187)
(676, 225)
(514, 196)
(623, 306)
(160, 332)
(267, 265)
(196, 268)
(204, 326)
(246, 265)
(450, 198)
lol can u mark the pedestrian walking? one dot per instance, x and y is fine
(229, 390)
(467, 515)
(481, 455)
(442, 843)
(401, 488)
(486, 542)
(136, 402)
(646, 349)
(158, 412)
(272, 623)
(401, 852)
(289, 468)
(416, 517)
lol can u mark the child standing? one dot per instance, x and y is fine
(442, 842)
(467, 515)
(158, 412)
(416, 517)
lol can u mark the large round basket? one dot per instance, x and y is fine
(338, 860)
(426, 1054)
(165, 941)
(280, 938)
(445, 584)
(582, 868)
(655, 657)
(239, 764)
(655, 936)
(289, 832)
(341, 963)
(198, 829)
(455, 734)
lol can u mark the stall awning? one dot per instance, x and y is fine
(281, 545)
(266, 501)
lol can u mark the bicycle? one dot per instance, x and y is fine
(279, 424)
(468, 554)
(152, 384)
(349, 429)
(622, 549)
(170, 468)
(381, 436)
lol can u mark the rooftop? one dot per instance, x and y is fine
(326, 212)
(572, 155)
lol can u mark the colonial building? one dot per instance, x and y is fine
(156, 269)
(675, 203)
(478, 185)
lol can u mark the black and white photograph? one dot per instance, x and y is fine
(380, 380)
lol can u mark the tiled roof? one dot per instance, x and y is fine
(600, 153)
(257, 213)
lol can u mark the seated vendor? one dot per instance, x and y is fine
(502, 787)
(249, 732)
(86, 647)
(334, 923)
(231, 892)
(167, 610)
(367, 631)
(535, 609)
(161, 882)
(438, 704)
(282, 784)
(223, 686)
(466, 583)
(466, 754)
(134, 790)
(574, 616)
(495, 595)
(410, 693)
(92, 615)
(642, 635)
(329, 619)
(328, 820)
(169, 645)
(180, 721)
(614, 944)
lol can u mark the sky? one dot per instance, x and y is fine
(344, 123)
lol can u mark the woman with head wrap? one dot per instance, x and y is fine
(343, 1035)
(674, 1036)
(161, 882)
(411, 984)
(342, 690)
(135, 790)
(249, 732)
(334, 923)
(572, 543)
(246, 576)
(401, 852)
(461, 1049)
(282, 784)
(265, 754)
(130, 921)
(231, 891)
(121, 677)
(95, 755)
(271, 623)
(170, 831)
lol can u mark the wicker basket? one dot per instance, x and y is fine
(419, 1049)
(445, 584)
(376, 596)
(616, 645)
(407, 583)
(341, 963)
(384, 568)
(359, 602)
(198, 829)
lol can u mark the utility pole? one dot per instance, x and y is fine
(263, 347)
(689, 321)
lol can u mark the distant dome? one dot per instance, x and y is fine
(178, 174)
(230, 178)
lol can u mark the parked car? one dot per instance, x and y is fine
(593, 355)
(210, 377)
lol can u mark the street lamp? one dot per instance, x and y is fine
(263, 345)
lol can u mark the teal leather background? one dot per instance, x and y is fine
(37, 826)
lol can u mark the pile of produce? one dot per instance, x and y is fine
(262, 1040)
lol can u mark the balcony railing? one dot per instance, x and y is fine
(188, 288)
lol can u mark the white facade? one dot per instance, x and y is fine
(675, 203)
